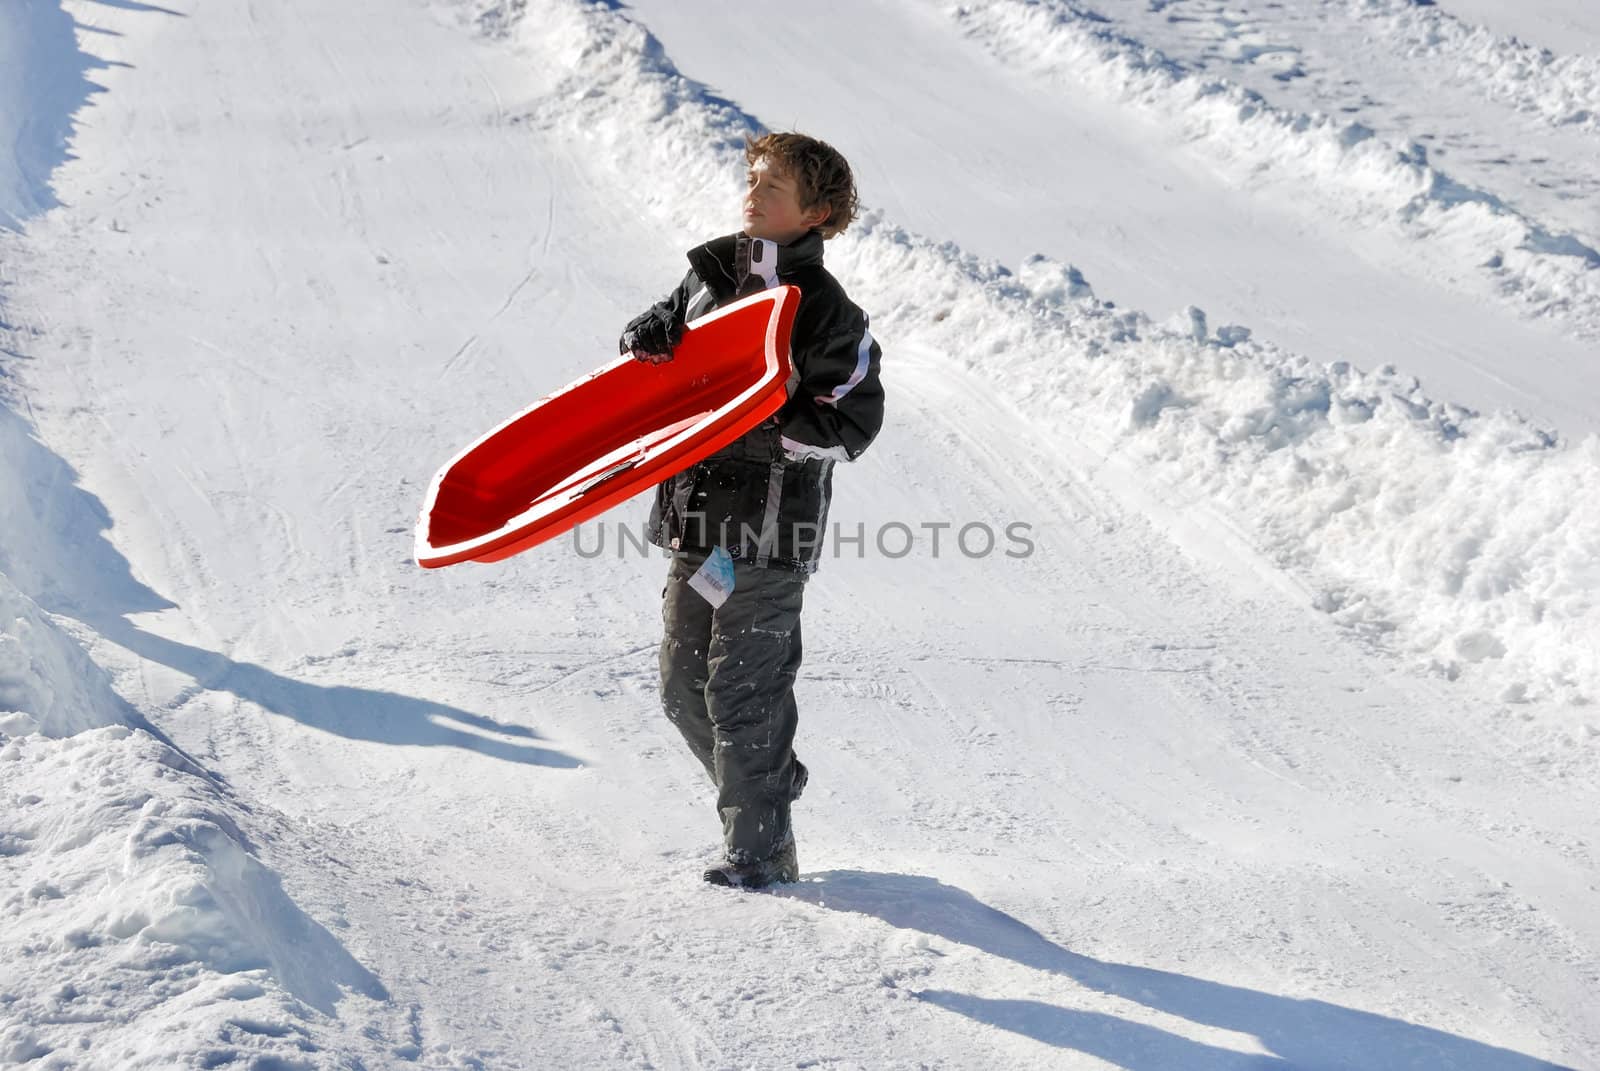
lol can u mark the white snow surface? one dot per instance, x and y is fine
(1271, 327)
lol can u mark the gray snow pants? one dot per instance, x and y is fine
(727, 683)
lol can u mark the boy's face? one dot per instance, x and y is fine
(772, 205)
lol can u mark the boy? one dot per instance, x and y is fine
(728, 670)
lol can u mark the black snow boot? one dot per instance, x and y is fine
(782, 868)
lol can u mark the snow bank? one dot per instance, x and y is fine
(137, 928)
(1560, 90)
(1471, 542)
(1342, 166)
(42, 83)
(47, 683)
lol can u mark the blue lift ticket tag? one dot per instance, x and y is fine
(714, 579)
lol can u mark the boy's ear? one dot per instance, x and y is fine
(817, 216)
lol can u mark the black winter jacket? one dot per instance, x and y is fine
(764, 497)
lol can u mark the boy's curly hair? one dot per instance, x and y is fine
(822, 176)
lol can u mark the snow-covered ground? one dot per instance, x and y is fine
(1277, 747)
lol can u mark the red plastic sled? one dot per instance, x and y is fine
(606, 437)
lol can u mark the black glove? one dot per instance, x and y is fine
(653, 334)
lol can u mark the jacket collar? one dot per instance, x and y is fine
(737, 265)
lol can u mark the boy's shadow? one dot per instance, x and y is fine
(1301, 1034)
(357, 713)
(56, 553)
